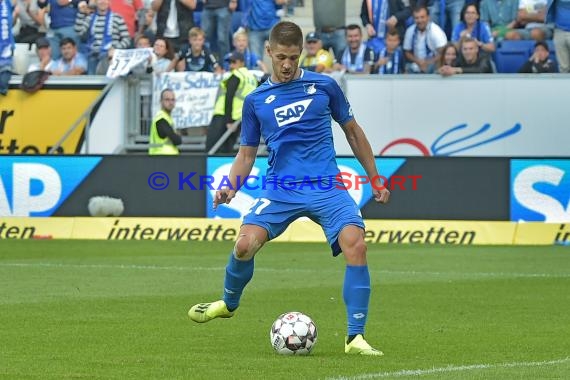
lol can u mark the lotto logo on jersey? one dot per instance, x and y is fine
(291, 112)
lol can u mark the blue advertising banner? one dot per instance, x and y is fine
(540, 190)
(218, 168)
(37, 186)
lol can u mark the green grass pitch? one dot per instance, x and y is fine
(117, 310)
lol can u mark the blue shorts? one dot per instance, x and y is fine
(332, 209)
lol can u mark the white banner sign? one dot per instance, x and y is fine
(471, 115)
(124, 60)
(195, 96)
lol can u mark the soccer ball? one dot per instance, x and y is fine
(293, 333)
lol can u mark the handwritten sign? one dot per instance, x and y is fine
(195, 96)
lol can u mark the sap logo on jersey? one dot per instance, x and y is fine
(540, 190)
(291, 112)
(37, 186)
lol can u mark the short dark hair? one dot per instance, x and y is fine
(353, 27)
(418, 8)
(144, 37)
(286, 33)
(67, 40)
(543, 44)
(393, 32)
(464, 10)
(168, 89)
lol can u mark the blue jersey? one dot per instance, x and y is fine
(481, 31)
(294, 119)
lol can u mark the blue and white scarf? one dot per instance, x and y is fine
(378, 14)
(393, 64)
(107, 41)
(429, 53)
(442, 14)
(358, 65)
(6, 36)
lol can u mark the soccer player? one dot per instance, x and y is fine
(292, 111)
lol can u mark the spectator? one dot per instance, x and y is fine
(391, 58)
(315, 58)
(262, 15)
(143, 42)
(217, 22)
(103, 31)
(423, 43)
(43, 50)
(6, 45)
(128, 10)
(501, 17)
(471, 26)
(252, 61)
(174, 19)
(195, 56)
(446, 13)
(229, 103)
(31, 21)
(447, 61)
(539, 62)
(164, 55)
(531, 16)
(471, 61)
(558, 12)
(62, 15)
(381, 15)
(329, 18)
(356, 57)
(163, 140)
(71, 62)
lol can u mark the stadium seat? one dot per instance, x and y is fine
(511, 55)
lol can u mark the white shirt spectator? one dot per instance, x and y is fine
(427, 42)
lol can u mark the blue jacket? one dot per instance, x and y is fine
(260, 14)
(552, 9)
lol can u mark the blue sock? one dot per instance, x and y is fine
(356, 294)
(238, 274)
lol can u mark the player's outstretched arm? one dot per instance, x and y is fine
(241, 168)
(363, 151)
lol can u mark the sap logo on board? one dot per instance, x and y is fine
(291, 112)
(540, 190)
(37, 186)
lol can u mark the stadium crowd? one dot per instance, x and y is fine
(73, 37)
(445, 37)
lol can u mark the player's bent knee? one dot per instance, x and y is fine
(246, 247)
(355, 254)
(359, 248)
